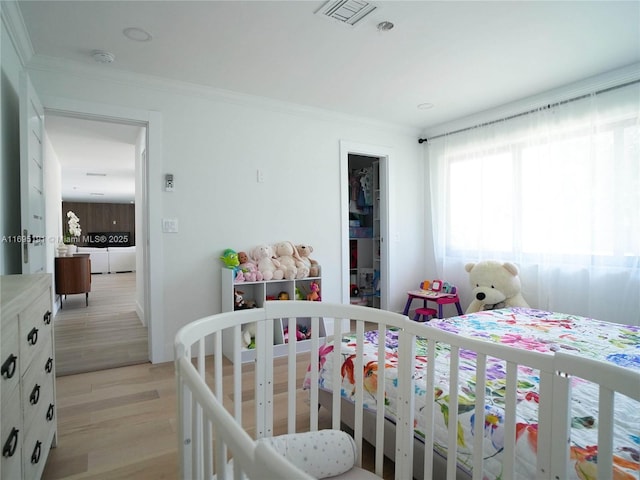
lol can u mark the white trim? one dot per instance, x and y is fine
(384, 154)
(14, 23)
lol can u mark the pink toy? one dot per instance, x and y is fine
(299, 335)
(314, 294)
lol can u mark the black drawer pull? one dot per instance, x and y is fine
(35, 456)
(11, 444)
(35, 395)
(32, 338)
(50, 412)
(48, 368)
(9, 366)
(47, 318)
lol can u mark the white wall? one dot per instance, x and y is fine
(213, 146)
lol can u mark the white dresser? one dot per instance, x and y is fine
(27, 380)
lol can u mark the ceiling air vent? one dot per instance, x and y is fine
(346, 11)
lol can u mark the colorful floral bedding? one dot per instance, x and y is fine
(527, 329)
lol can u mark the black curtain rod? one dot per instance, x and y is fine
(545, 107)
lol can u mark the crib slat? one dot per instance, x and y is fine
(292, 325)
(452, 442)
(379, 459)
(429, 409)
(509, 456)
(314, 359)
(478, 428)
(196, 444)
(546, 407)
(406, 398)
(335, 374)
(605, 431)
(358, 374)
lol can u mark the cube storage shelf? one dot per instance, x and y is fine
(259, 292)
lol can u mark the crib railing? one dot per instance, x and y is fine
(220, 418)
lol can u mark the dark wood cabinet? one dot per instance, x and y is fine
(73, 275)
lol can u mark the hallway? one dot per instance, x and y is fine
(106, 334)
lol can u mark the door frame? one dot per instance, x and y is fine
(384, 156)
(152, 257)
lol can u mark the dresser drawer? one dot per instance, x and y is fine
(36, 448)
(10, 361)
(11, 434)
(37, 384)
(35, 329)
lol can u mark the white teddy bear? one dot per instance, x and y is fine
(290, 261)
(267, 265)
(495, 285)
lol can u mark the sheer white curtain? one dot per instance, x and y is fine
(557, 192)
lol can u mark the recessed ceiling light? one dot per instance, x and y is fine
(425, 106)
(137, 34)
(102, 56)
(385, 26)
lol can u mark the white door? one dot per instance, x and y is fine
(32, 201)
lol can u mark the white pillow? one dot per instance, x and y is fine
(321, 454)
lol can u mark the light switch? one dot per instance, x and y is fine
(170, 225)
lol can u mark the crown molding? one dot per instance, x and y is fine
(14, 23)
(90, 72)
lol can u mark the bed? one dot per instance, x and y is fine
(538, 365)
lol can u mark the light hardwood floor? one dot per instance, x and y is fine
(121, 423)
(105, 334)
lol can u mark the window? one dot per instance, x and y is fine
(556, 191)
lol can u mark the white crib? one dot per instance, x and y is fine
(217, 439)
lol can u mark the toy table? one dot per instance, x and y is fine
(440, 298)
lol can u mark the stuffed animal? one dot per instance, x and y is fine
(230, 259)
(299, 334)
(238, 300)
(248, 268)
(249, 335)
(304, 251)
(290, 261)
(495, 285)
(268, 266)
(314, 294)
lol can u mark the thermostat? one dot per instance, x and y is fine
(168, 182)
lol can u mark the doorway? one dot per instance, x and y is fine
(102, 166)
(365, 225)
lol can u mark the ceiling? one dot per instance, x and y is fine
(97, 159)
(460, 57)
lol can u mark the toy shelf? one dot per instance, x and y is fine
(259, 292)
